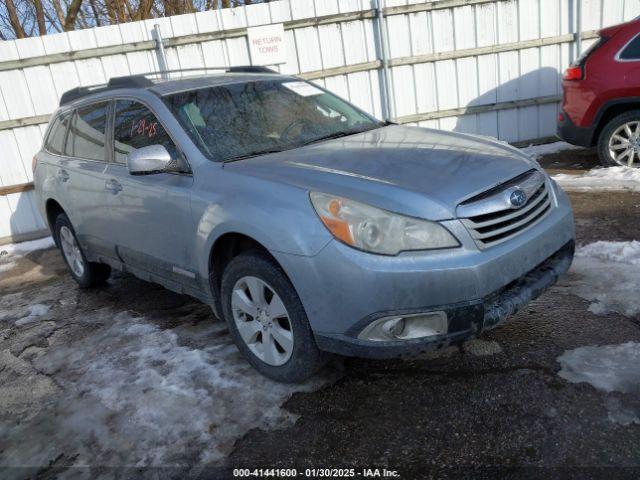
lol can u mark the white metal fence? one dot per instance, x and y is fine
(481, 66)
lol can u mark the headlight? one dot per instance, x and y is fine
(378, 231)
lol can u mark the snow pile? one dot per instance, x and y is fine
(24, 248)
(35, 312)
(5, 267)
(608, 277)
(138, 394)
(537, 151)
(621, 252)
(612, 178)
(609, 368)
(9, 253)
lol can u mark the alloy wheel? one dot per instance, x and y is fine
(624, 145)
(262, 320)
(71, 251)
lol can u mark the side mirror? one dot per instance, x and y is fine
(152, 159)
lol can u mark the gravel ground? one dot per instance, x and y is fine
(111, 380)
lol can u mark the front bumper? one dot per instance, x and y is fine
(466, 321)
(343, 290)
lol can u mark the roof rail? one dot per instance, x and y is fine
(78, 92)
(233, 69)
(131, 81)
(250, 69)
(141, 80)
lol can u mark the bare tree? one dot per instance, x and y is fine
(17, 27)
(42, 26)
(72, 14)
(95, 12)
(24, 18)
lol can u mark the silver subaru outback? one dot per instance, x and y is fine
(309, 226)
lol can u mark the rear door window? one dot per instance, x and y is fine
(135, 126)
(57, 133)
(87, 133)
(632, 50)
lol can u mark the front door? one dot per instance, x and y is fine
(151, 214)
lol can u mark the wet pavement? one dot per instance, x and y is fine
(133, 375)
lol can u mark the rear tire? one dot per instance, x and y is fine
(615, 136)
(276, 338)
(86, 274)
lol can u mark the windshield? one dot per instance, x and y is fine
(235, 121)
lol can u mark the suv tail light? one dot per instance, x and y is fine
(573, 73)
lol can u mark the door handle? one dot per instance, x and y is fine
(113, 186)
(63, 175)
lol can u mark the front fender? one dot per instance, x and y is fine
(279, 218)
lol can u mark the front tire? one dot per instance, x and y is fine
(619, 141)
(267, 320)
(85, 273)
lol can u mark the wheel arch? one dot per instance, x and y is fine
(225, 248)
(611, 110)
(52, 210)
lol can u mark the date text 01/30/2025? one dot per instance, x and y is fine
(315, 473)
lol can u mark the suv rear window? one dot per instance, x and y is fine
(632, 50)
(87, 135)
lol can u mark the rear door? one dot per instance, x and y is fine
(153, 227)
(81, 174)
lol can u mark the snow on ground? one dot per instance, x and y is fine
(9, 253)
(612, 179)
(5, 267)
(609, 368)
(24, 248)
(35, 313)
(537, 151)
(133, 393)
(608, 275)
(619, 413)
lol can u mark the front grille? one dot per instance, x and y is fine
(489, 229)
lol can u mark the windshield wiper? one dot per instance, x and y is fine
(252, 154)
(331, 136)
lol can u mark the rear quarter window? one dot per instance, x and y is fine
(632, 50)
(55, 139)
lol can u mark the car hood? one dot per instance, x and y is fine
(411, 170)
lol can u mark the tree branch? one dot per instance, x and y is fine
(17, 27)
(72, 14)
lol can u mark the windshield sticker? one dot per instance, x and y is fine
(303, 89)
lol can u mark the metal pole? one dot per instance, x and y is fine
(578, 28)
(162, 59)
(381, 34)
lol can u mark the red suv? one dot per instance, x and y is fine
(601, 101)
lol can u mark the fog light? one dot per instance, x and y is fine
(406, 327)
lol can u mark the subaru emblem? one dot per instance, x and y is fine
(518, 198)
